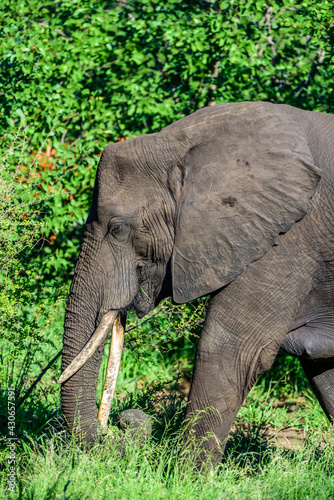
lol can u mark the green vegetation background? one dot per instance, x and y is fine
(77, 75)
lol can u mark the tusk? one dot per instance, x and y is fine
(94, 343)
(114, 363)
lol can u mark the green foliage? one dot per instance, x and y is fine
(184, 321)
(24, 307)
(18, 220)
(109, 68)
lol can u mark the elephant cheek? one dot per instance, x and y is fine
(119, 283)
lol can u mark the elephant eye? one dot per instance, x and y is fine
(118, 231)
(115, 229)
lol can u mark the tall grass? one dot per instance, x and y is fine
(53, 465)
(55, 468)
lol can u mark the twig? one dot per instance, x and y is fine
(33, 385)
(61, 33)
(63, 136)
(78, 139)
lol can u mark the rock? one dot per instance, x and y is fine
(135, 423)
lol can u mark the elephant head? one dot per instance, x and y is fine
(182, 213)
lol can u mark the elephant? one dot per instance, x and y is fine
(236, 201)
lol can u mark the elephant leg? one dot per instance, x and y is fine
(321, 378)
(245, 326)
(226, 368)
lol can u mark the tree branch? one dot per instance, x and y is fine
(33, 385)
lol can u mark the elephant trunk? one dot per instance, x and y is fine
(83, 316)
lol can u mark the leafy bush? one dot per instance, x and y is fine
(23, 304)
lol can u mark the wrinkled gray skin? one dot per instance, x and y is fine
(235, 200)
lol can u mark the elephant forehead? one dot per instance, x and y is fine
(115, 177)
(128, 203)
(119, 193)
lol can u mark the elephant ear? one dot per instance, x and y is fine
(248, 176)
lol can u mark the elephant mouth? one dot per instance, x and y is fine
(111, 320)
(141, 307)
